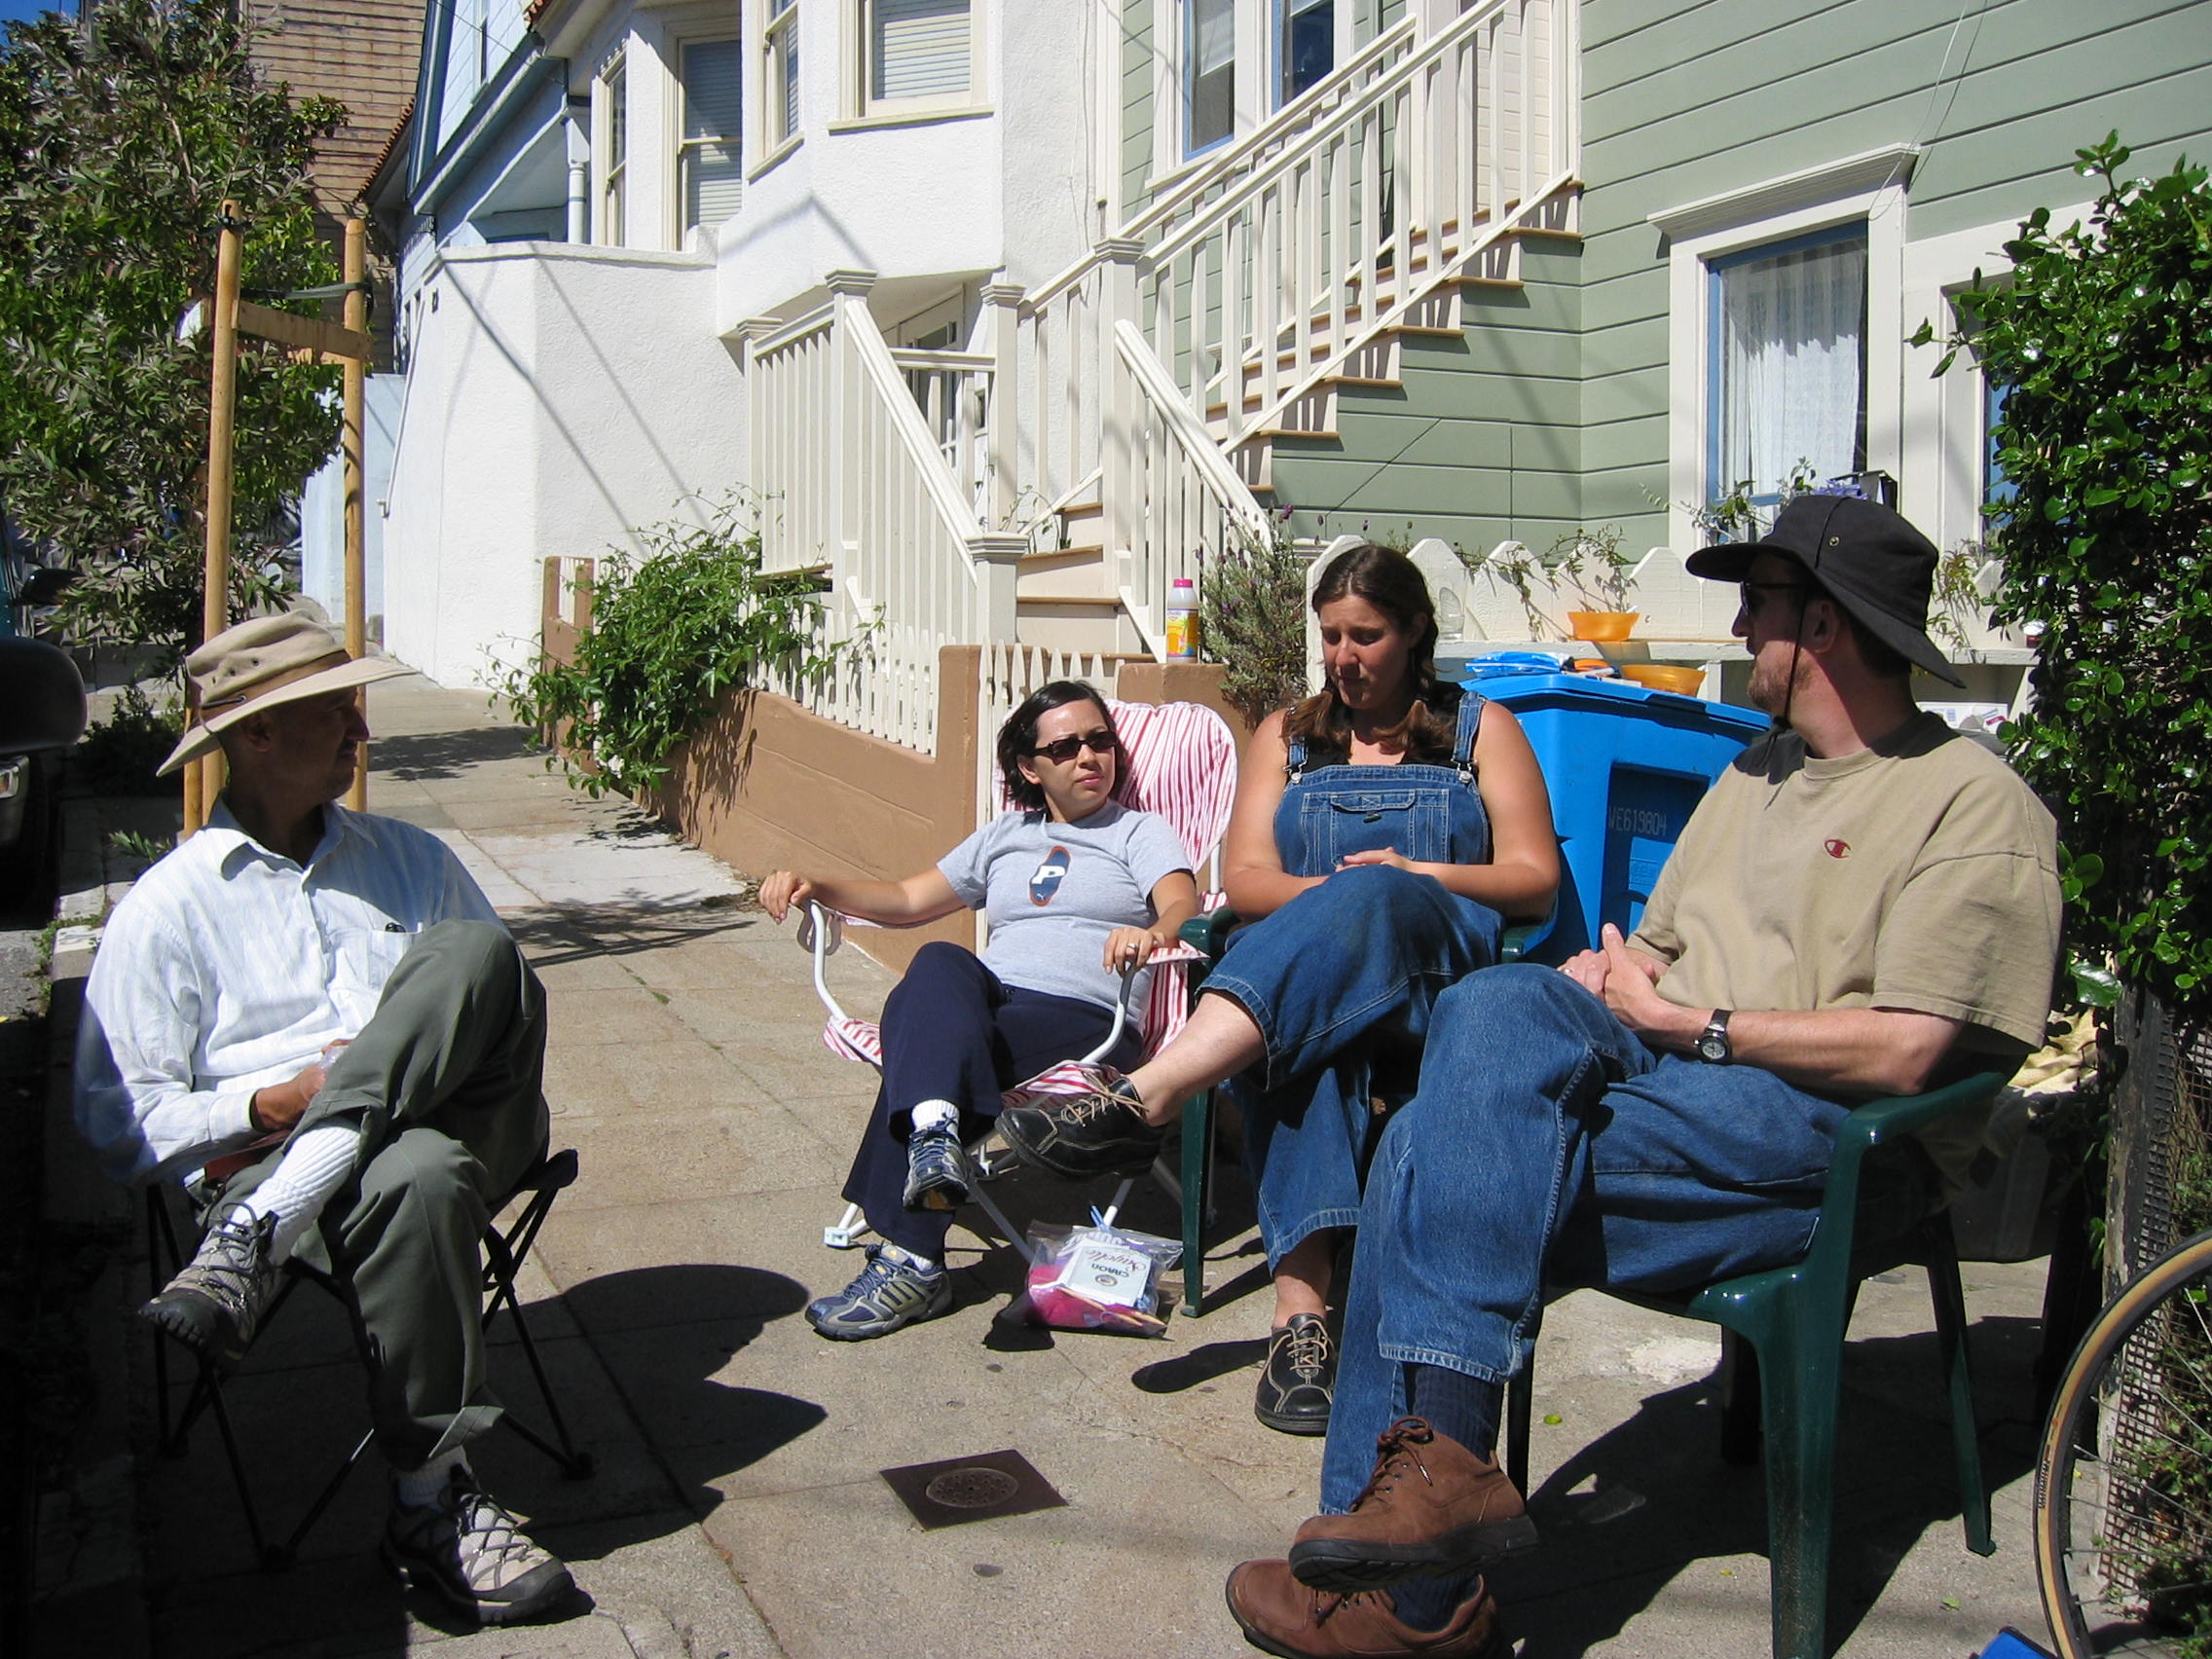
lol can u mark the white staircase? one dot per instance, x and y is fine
(1135, 400)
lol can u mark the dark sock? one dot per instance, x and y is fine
(1428, 1604)
(1464, 1407)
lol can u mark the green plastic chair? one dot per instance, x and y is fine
(1784, 1391)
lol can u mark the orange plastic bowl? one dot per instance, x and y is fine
(1601, 624)
(1664, 676)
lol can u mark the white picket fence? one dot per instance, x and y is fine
(884, 684)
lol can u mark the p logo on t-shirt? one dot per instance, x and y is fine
(1049, 874)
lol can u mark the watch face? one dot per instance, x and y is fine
(1712, 1046)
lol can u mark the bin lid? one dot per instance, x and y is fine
(1618, 698)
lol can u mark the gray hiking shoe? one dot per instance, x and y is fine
(215, 1302)
(472, 1551)
(887, 1295)
(937, 1170)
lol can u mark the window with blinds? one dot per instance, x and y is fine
(709, 163)
(916, 50)
(614, 168)
(779, 100)
(1209, 73)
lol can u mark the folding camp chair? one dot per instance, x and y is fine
(1181, 763)
(506, 1250)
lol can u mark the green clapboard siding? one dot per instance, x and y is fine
(1685, 100)
(1137, 46)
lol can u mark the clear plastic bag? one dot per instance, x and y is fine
(1096, 1278)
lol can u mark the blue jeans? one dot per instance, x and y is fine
(1340, 981)
(1547, 1144)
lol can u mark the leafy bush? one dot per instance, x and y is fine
(119, 140)
(2101, 338)
(1252, 611)
(673, 627)
(119, 755)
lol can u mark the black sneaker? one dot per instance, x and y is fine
(472, 1551)
(1102, 1132)
(937, 1169)
(215, 1302)
(1299, 1382)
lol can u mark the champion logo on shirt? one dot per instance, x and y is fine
(1836, 849)
(1049, 874)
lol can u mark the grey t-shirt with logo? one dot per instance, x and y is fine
(1052, 891)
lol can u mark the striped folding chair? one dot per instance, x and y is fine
(1181, 765)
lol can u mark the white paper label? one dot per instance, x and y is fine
(1101, 1270)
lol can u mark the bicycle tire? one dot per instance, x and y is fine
(2168, 1306)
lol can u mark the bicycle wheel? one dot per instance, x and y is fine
(2124, 1486)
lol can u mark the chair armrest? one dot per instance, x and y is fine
(1879, 1122)
(1209, 933)
(1875, 1123)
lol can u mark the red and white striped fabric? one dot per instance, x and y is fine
(851, 1039)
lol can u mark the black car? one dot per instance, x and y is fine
(42, 713)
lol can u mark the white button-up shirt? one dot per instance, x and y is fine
(229, 967)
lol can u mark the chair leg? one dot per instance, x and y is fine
(1198, 1195)
(1958, 1380)
(1519, 1399)
(1799, 1348)
(1740, 1410)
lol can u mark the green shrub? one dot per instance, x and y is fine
(2100, 337)
(1252, 614)
(674, 626)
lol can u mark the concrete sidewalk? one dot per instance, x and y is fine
(738, 1511)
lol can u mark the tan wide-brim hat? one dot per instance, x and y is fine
(260, 663)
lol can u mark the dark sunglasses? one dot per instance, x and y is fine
(1062, 750)
(1749, 594)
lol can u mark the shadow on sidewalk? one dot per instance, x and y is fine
(1626, 1515)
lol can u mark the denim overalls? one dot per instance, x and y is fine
(1372, 947)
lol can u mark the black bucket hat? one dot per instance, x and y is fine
(1865, 557)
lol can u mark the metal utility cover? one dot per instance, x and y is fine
(960, 1490)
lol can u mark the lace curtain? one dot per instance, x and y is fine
(1792, 345)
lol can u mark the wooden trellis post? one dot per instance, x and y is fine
(318, 339)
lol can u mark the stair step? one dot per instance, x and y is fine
(1090, 552)
(1081, 600)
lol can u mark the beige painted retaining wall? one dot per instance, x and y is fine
(766, 785)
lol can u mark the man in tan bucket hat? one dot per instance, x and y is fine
(315, 1018)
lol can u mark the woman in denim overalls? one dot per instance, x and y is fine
(1385, 830)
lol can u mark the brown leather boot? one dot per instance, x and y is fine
(1281, 1616)
(1430, 1507)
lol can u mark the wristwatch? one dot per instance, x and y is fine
(1712, 1045)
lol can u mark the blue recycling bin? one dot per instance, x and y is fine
(1625, 765)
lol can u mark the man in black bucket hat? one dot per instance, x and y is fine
(1872, 563)
(1865, 904)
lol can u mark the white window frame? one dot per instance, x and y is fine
(1869, 187)
(776, 39)
(1340, 50)
(680, 104)
(861, 109)
(1946, 420)
(611, 179)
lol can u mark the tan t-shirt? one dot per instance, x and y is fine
(1919, 875)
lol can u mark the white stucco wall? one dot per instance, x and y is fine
(1012, 187)
(558, 398)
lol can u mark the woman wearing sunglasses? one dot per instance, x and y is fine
(1384, 831)
(1078, 888)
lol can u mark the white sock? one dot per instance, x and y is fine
(936, 1114)
(908, 1258)
(419, 1488)
(314, 1168)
